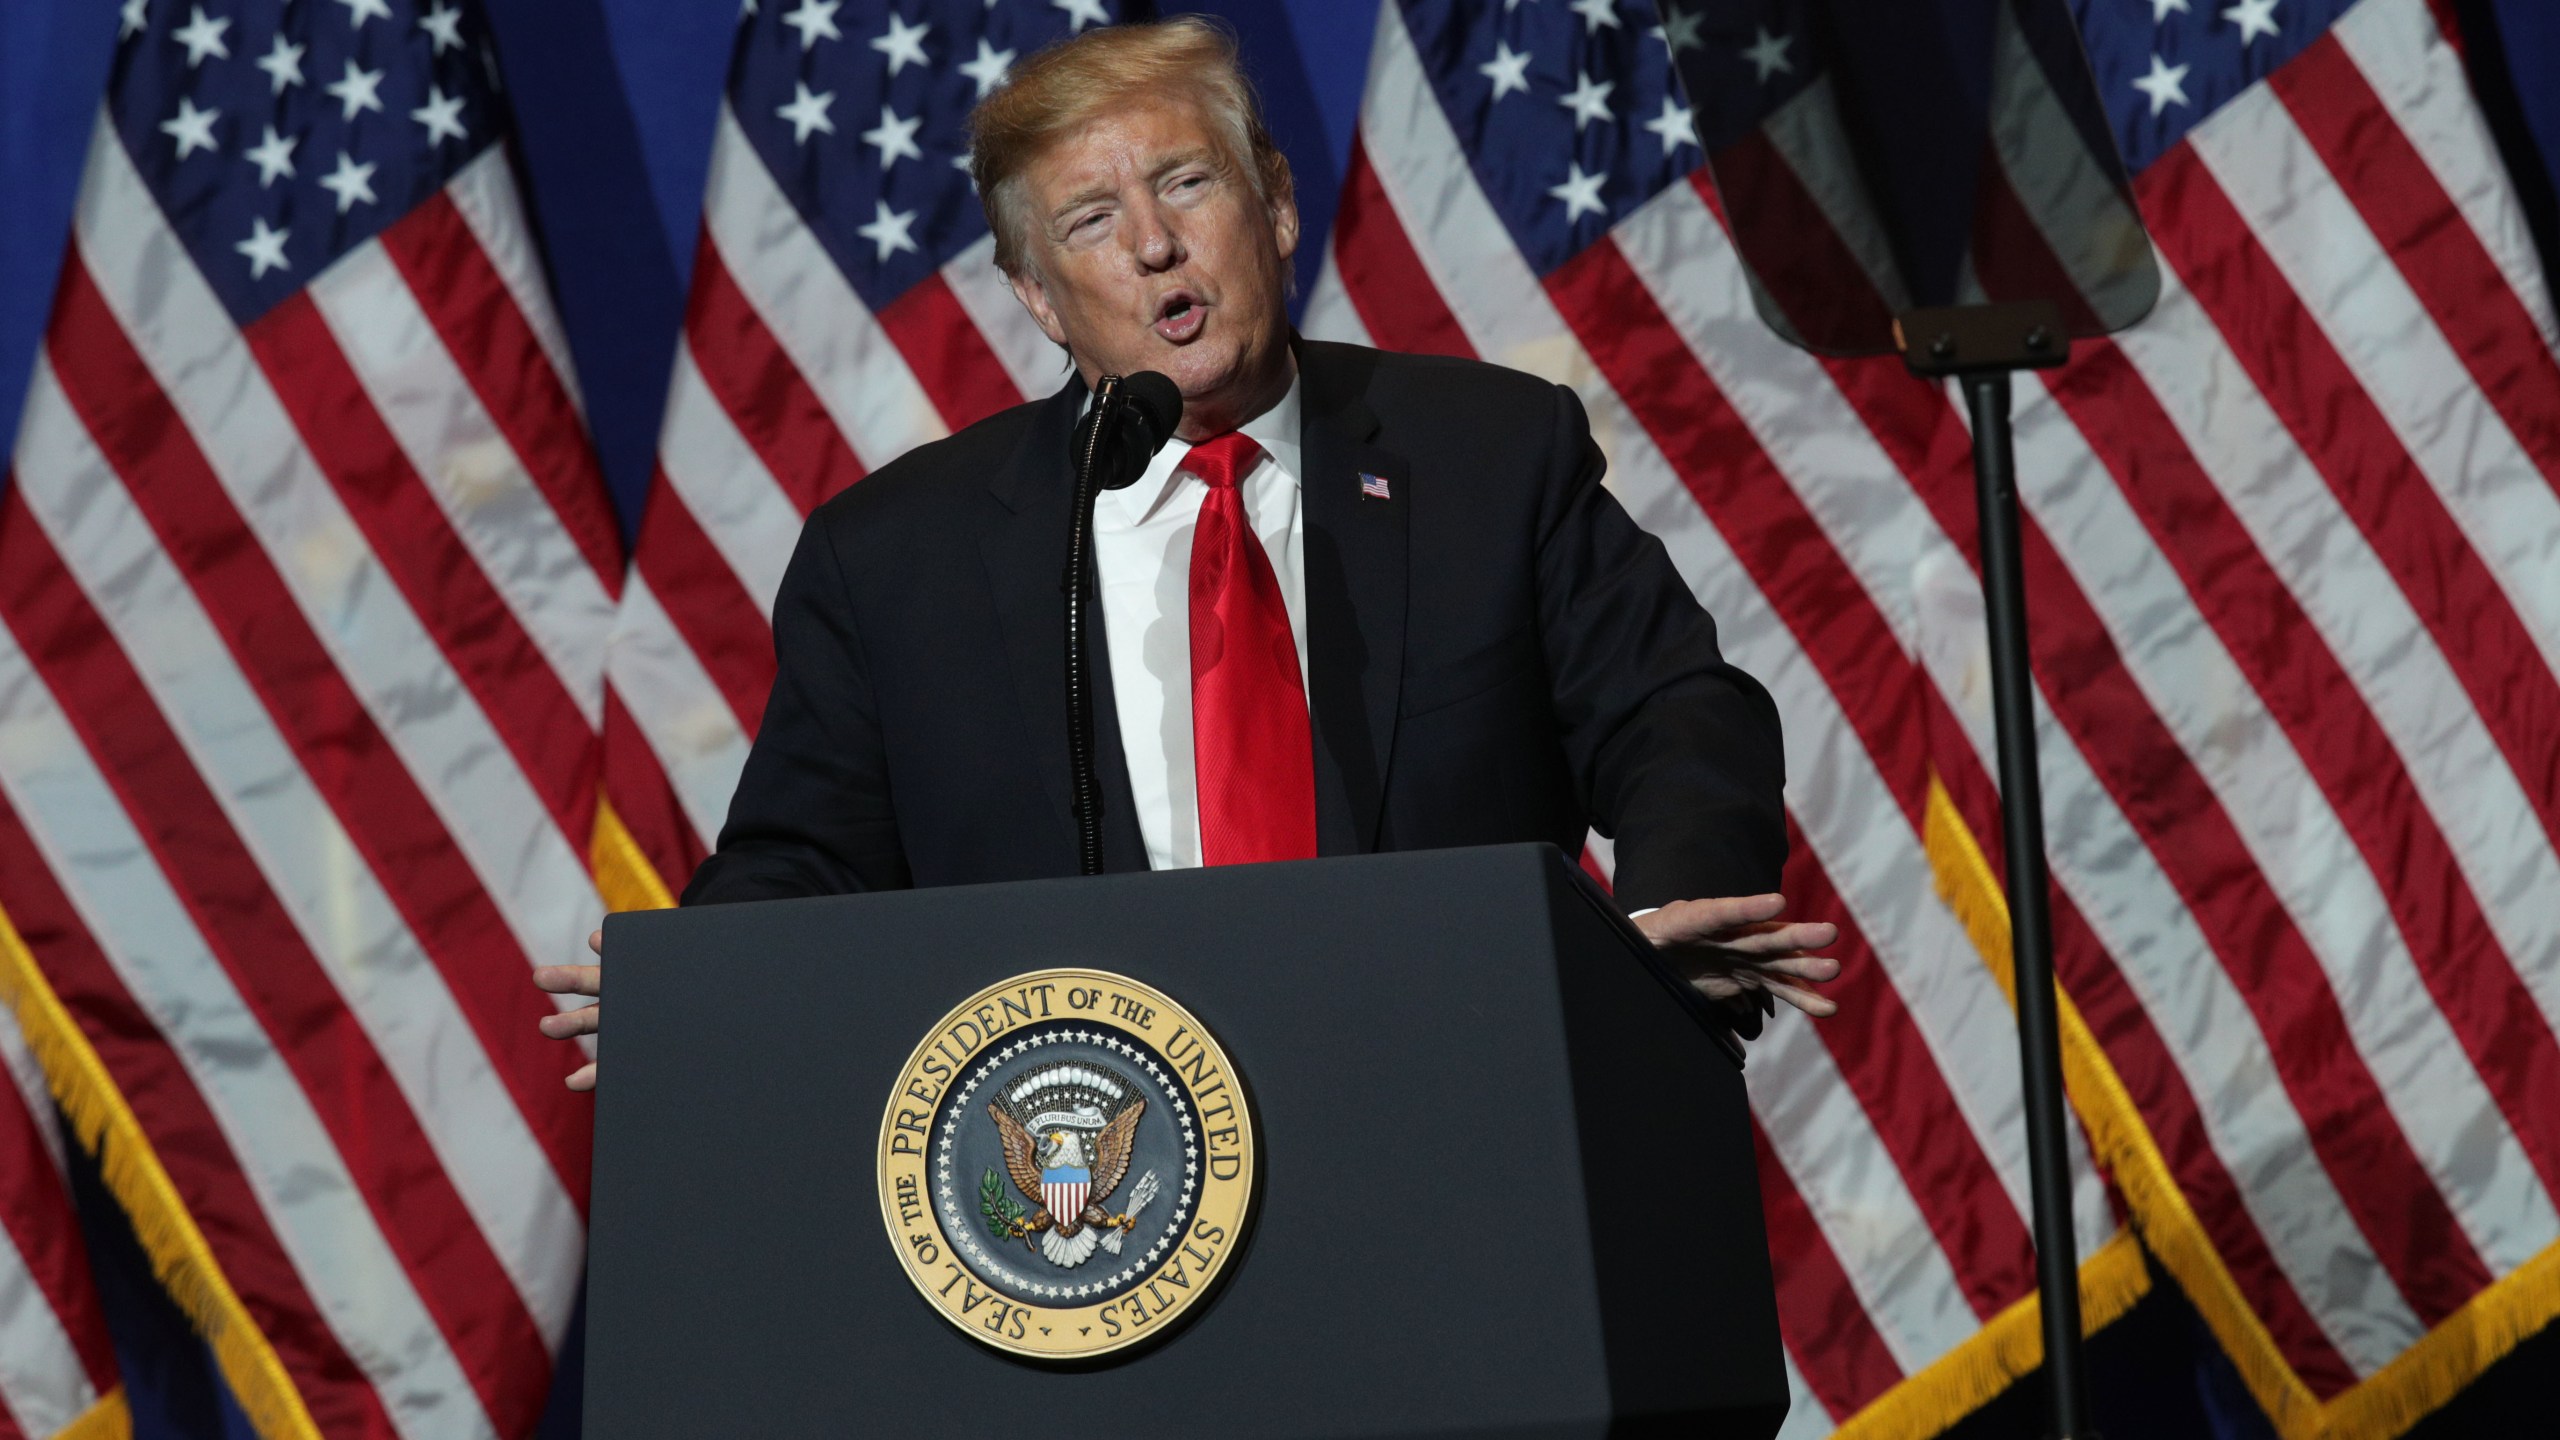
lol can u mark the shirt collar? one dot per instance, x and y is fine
(1275, 430)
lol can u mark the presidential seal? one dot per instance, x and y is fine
(1066, 1164)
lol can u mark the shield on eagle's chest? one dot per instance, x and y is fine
(1063, 1189)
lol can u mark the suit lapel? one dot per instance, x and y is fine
(1355, 589)
(1024, 547)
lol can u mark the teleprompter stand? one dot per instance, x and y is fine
(1938, 179)
(1506, 1165)
(1981, 346)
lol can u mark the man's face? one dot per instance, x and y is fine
(1149, 250)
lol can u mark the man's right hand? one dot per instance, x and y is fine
(570, 1024)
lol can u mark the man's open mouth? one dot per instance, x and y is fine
(1179, 316)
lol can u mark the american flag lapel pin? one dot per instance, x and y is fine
(1374, 487)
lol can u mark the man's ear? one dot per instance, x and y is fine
(1035, 298)
(1284, 225)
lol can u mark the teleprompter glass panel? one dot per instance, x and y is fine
(1877, 156)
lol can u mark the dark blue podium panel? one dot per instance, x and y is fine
(1504, 1165)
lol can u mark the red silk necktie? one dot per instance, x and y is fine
(1253, 757)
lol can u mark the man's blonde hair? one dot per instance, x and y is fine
(1077, 81)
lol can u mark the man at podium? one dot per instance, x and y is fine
(1359, 602)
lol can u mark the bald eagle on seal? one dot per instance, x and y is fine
(1071, 1238)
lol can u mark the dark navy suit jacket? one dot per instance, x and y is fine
(1495, 653)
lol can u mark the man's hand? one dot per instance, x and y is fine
(1738, 946)
(570, 1024)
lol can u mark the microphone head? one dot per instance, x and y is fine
(1156, 404)
(1144, 409)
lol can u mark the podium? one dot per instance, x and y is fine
(1502, 1178)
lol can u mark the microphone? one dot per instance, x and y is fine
(1135, 415)
(1131, 418)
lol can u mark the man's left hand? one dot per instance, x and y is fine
(1744, 947)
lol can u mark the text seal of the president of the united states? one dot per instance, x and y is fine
(1066, 1165)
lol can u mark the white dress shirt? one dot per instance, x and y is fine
(1142, 561)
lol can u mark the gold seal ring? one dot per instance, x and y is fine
(1066, 1164)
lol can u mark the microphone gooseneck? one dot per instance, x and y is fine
(1129, 421)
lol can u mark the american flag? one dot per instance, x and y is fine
(845, 308)
(2291, 554)
(306, 574)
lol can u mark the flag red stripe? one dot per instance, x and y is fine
(1382, 276)
(35, 1210)
(414, 540)
(2142, 1059)
(948, 353)
(764, 393)
(1751, 503)
(1836, 1346)
(2336, 424)
(707, 604)
(187, 1140)
(2340, 742)
(342, 751)
(1804, 579)
(420, 1215)
(643, 798)
(494, 346)
(2155, 783)
(2383, 175)
(2182, 823)
(1896, 1078)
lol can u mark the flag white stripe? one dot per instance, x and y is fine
(43, 1385)
(540, 884)
(328, 1232)
(833, 339)
(1329, 314)
(2295, 838)
(484, 192)
(678, 708)
(1829, 1148)
(2328, 567)
(395, 992)
(2420, 80)
(1818, 441)
(27, 1078)
(1036, 366)
(2505, 507)
(1806, 1419)
(2159, 948)
(502, 517)
(749, 521)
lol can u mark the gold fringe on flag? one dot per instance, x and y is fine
(109, 1419)
(1972, 1374)
(624, 875)
(105, 1126)
(2386, 1403)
